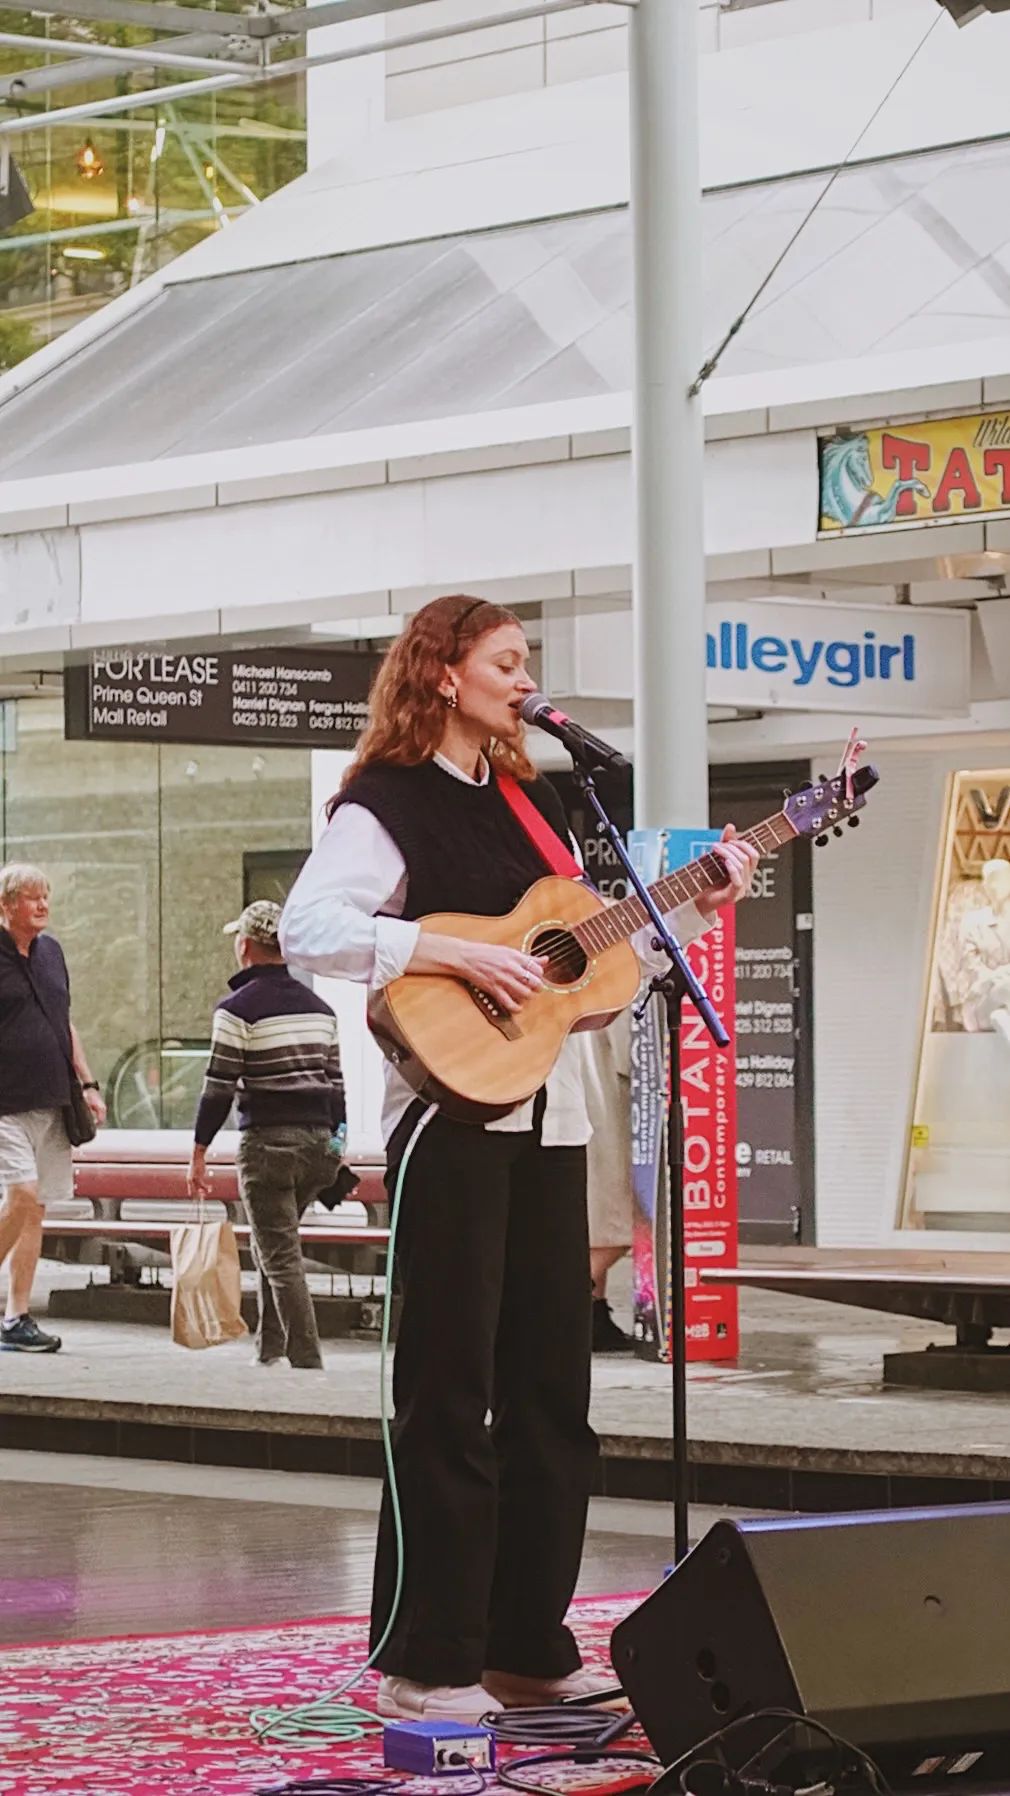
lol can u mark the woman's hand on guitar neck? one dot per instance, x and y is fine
(506, 974)
(740, 859)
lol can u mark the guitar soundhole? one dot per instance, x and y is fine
(566, 961)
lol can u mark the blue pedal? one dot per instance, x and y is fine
(437, 1748)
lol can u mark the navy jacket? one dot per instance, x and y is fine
(35, 1049)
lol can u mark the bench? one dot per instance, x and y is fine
(134, 1183)
(969, 1292)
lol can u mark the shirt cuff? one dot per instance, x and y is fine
(395, 942)
(691, 923)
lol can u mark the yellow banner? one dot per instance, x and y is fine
(945, 468)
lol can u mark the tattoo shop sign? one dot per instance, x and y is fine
(941, 469)
(268, 697)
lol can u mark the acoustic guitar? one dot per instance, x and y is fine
(459, 1049)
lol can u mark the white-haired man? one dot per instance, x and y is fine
(40, 1052)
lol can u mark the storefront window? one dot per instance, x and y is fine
(958, 1161)
(150, 851)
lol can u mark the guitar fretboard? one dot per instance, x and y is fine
(620, 921)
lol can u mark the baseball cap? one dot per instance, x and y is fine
(258, 921)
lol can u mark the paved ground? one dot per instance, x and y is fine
(808, 1376)
(135, 1545)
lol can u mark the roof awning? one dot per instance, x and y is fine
(902, 256)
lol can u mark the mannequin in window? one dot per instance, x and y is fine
(985, 954)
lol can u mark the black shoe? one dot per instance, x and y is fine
(23, 1335)
(607, 1337)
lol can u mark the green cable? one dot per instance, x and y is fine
(328, 1718)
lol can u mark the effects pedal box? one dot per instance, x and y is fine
(437, 1748)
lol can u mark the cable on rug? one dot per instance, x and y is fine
(675, 1778)
(515, 1775)
(358, 1786)
(563, 1725)
(328, 1717)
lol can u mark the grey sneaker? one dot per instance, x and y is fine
(23, 1335)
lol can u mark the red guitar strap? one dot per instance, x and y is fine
(548, 845)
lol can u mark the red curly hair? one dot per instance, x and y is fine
(408, 711)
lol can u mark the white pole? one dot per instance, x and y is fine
(671, 780)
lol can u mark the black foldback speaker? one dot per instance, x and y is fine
(892, 1629)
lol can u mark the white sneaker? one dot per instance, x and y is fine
(434, 1702)
(515, 1692)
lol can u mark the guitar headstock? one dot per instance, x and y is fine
(826, 804)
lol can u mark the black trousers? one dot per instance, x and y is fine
(493, 1256)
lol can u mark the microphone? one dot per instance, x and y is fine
(583, 747)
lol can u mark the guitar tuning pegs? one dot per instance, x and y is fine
(853, 822)
(837, 830)
(805, 786)
(820, 841)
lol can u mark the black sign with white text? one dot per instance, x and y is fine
(774, 995)
(773, 1026)
(269, 697)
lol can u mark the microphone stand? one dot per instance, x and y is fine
(672, 984)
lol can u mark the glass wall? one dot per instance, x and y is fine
(150, 851)
(117, 197)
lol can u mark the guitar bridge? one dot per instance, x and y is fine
(502, 1020)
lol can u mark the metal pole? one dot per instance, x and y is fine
(671, 761)
(149, 57)
(671, 781)
(182, 90)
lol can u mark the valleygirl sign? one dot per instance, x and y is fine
(794, 654)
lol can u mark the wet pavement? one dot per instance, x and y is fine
(808, 1380)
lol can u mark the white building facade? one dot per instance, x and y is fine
(411, 373)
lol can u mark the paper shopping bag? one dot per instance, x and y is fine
(207, 1285)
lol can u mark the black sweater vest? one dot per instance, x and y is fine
(463, 847)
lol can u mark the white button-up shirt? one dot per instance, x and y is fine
(342, 920)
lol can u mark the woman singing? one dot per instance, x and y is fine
(492, 1246)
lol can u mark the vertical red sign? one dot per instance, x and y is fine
(708, 1096)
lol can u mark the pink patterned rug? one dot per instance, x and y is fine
(168, 1715)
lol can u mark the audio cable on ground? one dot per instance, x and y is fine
(329, 1717)
(516, 1774)
(563, 1725)
(675, 1777)
(588, 1732)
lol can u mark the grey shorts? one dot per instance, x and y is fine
(34, 1149)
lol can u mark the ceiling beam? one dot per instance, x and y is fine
(254, 77)
(161, 15)
(156, 15)
(156, 96)
(146, 56)
(333, 12)
(90, 67)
